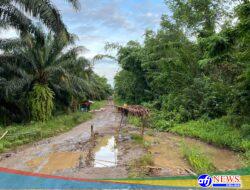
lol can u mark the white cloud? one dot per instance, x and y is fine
(9, 33)
(101, 21)
(108, 69)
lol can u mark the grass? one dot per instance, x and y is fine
(118, 101)
(137, 167)
(217, 132)
(133, 120)
(138, 139)
(98, 104)
(23, 134)
(198, 160)
(242, 171)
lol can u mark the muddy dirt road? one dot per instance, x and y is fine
(110, 152)
(74, 154)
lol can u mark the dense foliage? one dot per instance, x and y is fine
(196, 66)
(41, 72)
(41, 102)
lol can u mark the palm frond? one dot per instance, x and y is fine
(102, 56)
(16, 86)
(11, 16)
(52, 71)
(45, 11)
(9, 44)
(72, 53)
(76, 4)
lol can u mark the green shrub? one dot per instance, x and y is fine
(41, 102)
(203, 97)
(7, 144)
(247, 157)
(237, 120)
(136, 121)
(198, 160)
(216, 131)
(245, 130)
(163, 125)
(1, 147)
(137, 167)
(98, 104)
(137, 138)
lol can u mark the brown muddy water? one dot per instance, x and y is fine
(107, 154)
(103, 154)
(167, 151)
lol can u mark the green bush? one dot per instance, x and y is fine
(216, 131)
(1, 147)
(245, 130)
(204, 98)
(137, 138)
(41, 102)
(136, 121)
(198, 160)
(137, 167)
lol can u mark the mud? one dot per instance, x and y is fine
(168, 154)
(76, 153)
(108, 153)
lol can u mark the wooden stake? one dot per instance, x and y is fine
(92, 131)
(121, 121)
(143, 126)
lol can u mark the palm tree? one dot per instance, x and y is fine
(28, 63)
(14, 13)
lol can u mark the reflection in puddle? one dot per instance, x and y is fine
(101, 153)
(106, 156)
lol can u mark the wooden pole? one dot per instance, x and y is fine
(121, 121)
(142, 127)
(92, 131)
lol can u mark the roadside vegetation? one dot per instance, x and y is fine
(98, 104)
(217, 132)
(138, 139)
(198, 160)
(193, 73)
(20, 134)
(139, 167)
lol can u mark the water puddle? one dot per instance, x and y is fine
(100, 153)
(59, 161)
(54, 162)
(167, 153)
(106, 154)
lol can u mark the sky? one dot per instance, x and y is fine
(120, 21)
(100, 21)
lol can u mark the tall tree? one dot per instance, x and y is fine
(14, 13)
(199, 16)
(29, 64)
